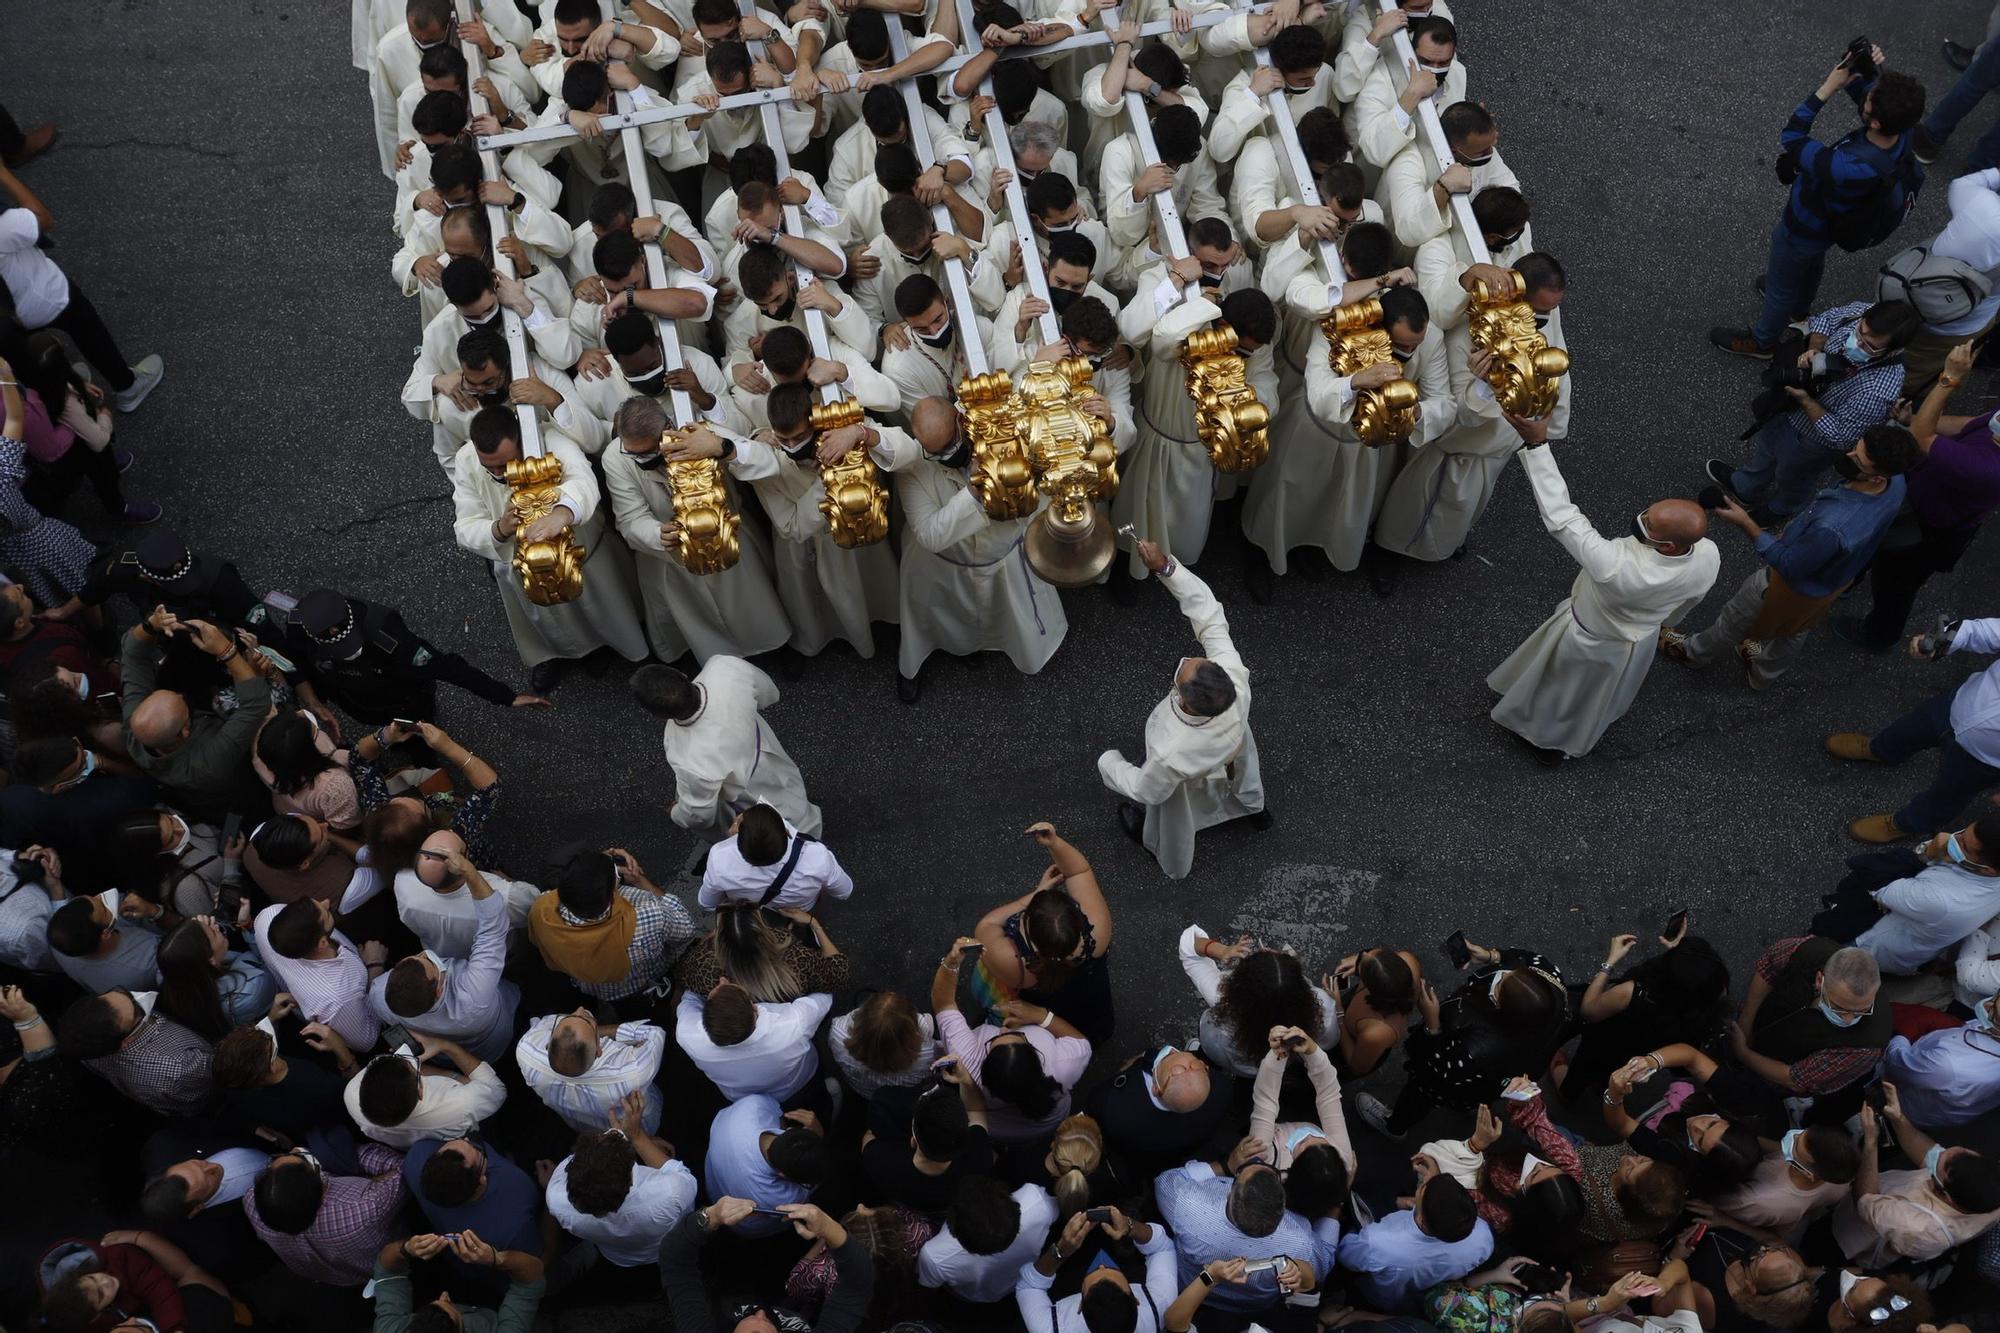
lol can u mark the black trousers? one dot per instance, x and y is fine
(50, 485)
(1898, 573)
(10, 134)
(85, 327)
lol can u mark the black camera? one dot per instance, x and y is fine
(1711, 497)
(1860, 57)
(1784, 373)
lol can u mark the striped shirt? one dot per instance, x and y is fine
(627, 1061)
(1834, 179)
(357, 1217)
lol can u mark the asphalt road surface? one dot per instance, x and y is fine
(216, 189)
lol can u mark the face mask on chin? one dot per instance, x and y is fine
(485, 320)
(804, 453)
(783, 314)
(653, 383)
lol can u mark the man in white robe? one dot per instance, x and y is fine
(1200, 766)
(1416, 199)
(1367, 37)
(639, 367)
(1298, 67)
(786, 355)
(734, 612)
(1323, 485)
(924, 354)
(1130, 181)
(603, 614)
(725, 758)
(483, 377)
(1579, 672)
(1444, 488)
(426, 24)
(1382, 121)
(966, 583)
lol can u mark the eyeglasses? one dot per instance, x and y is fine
(650, 461)
(1879, 1314)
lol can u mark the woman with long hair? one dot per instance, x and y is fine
(394, 827)
(69, 423)
(1526, 1186)
(1377, 991)
(759, 950)
(209, 986)
(883, 1042)
(1026, 1067)
(175, 862)
(1249, 991)
(305, 771)
(892, 1235)
(1052, 947)
(1678, 996)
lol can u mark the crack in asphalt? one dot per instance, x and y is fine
(72, 145)
(380, 515)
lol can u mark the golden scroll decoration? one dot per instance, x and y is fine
(856, 504)
(1525, 370)
(1076, 466)
(1356, 341)
(1002, 480)
(708, 524)
(551, 572)
(1232, 424)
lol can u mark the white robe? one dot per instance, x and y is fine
(1242, 113)
(726, 758)
(1445, 487)
(1322, 486)
(922, 371)
(1197, 771)
(966, 585)
(1405, 193)
(735, 612)
(1168, 484)
(451, 425)
(1582, 668)
(604, 396)
(1377, 125)
(829, 592)
(604, 614)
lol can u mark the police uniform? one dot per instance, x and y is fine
(160, 569)
(363, 658)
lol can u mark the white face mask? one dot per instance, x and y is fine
(144, 999)
(1529, 1165)
(110, 899)
(187, 836)
(83, 687)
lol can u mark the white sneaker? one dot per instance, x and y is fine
(1376, 1112)
(146, 377)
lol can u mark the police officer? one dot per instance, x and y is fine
(364, 658)
(160, 570)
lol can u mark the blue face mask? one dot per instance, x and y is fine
(1955, 850)
(89, 767)
(1852, 349)
(1785, 1147)
(1932, 1160)
(1837, 1019)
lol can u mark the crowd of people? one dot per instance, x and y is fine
(289, 1045)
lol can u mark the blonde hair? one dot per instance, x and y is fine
(1078, 1150)
(751, 952)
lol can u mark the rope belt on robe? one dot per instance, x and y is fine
(1027, 574)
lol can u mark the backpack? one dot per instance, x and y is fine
(1876, 215)
(1942, 290)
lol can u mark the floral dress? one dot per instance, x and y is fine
(52, 557)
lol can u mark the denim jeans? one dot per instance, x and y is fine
(1791, 280)
(1783, 473)
(1959, 776)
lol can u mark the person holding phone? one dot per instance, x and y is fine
(1052, 947)
(1679, 995)
(689, 1297)
(1106, 1297)
(201, 760)
(1377, 990)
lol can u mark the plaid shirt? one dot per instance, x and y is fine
(1857, 397)
(1822, 1071)
(357, 1217)
(664, 931)
(163, 1067)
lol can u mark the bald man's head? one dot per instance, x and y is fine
(160, 722)
(431, 867)
(934, 421)
(1676, 525)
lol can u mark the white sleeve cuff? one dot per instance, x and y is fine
(538, 318)
(1402, 118)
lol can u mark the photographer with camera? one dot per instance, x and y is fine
(1851, 192)
(1845, 381)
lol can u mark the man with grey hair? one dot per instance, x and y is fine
(1200, 765)
(1813, 1024)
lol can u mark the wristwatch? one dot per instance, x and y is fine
(1207, 1278)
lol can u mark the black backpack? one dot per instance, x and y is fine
(1874, 218)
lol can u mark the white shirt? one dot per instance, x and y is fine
(1975, 709)
(447, 923)
(627, 1061)
(777, 1058)
(730, 878)
(984, 1278)
(448, 1109)
(867, 1082)
(1930, 911)
(39, 288)
(631, 1236)
(1973, 237)
(1159, 1290)
(735, 1166)
(24, 924)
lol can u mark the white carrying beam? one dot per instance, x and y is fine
(1083, 41)
(625, 120)
(1017, 198)
(957, 290)
(1431, 135)
(499, 224)
(1292, 163)
(1172, 237)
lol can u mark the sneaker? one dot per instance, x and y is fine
(124, 459)
(1375, 1112)
(1738, 342)
(1925, 148)
(1958, 55)
(1749, 653)
(146, 377)
(1757, 284)
(1720, 472)
(138, 512)
(1674, 645)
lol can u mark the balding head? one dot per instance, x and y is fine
(1675, 525)
(160, 722)
(934, 421)
(431, 867)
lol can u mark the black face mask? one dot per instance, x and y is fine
(783, 314)
(941, 338)
(492, 397)
(650, 461)
(1541, 321)
(805, 453)
(1402, 357)
(1061, 299)
(1639, 530)
(1848, 469)
(1211, 279)
(1507, 242)
(958, 456)
(652, 384)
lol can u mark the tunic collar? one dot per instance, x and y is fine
(700, 708)
(1174, 701)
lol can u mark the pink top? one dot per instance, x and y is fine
(1063, 1059)
(1769, 1199)
(48, 440)
(330, 796)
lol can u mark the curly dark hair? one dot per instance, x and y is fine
(1266, 990)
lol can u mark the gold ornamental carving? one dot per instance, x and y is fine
(1356, 341)
(1525, 370)
(1001, 477)
(708, 524)
(855, 504)
(551, 572)
(1231, 422)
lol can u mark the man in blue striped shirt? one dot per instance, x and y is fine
(1833, 180)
